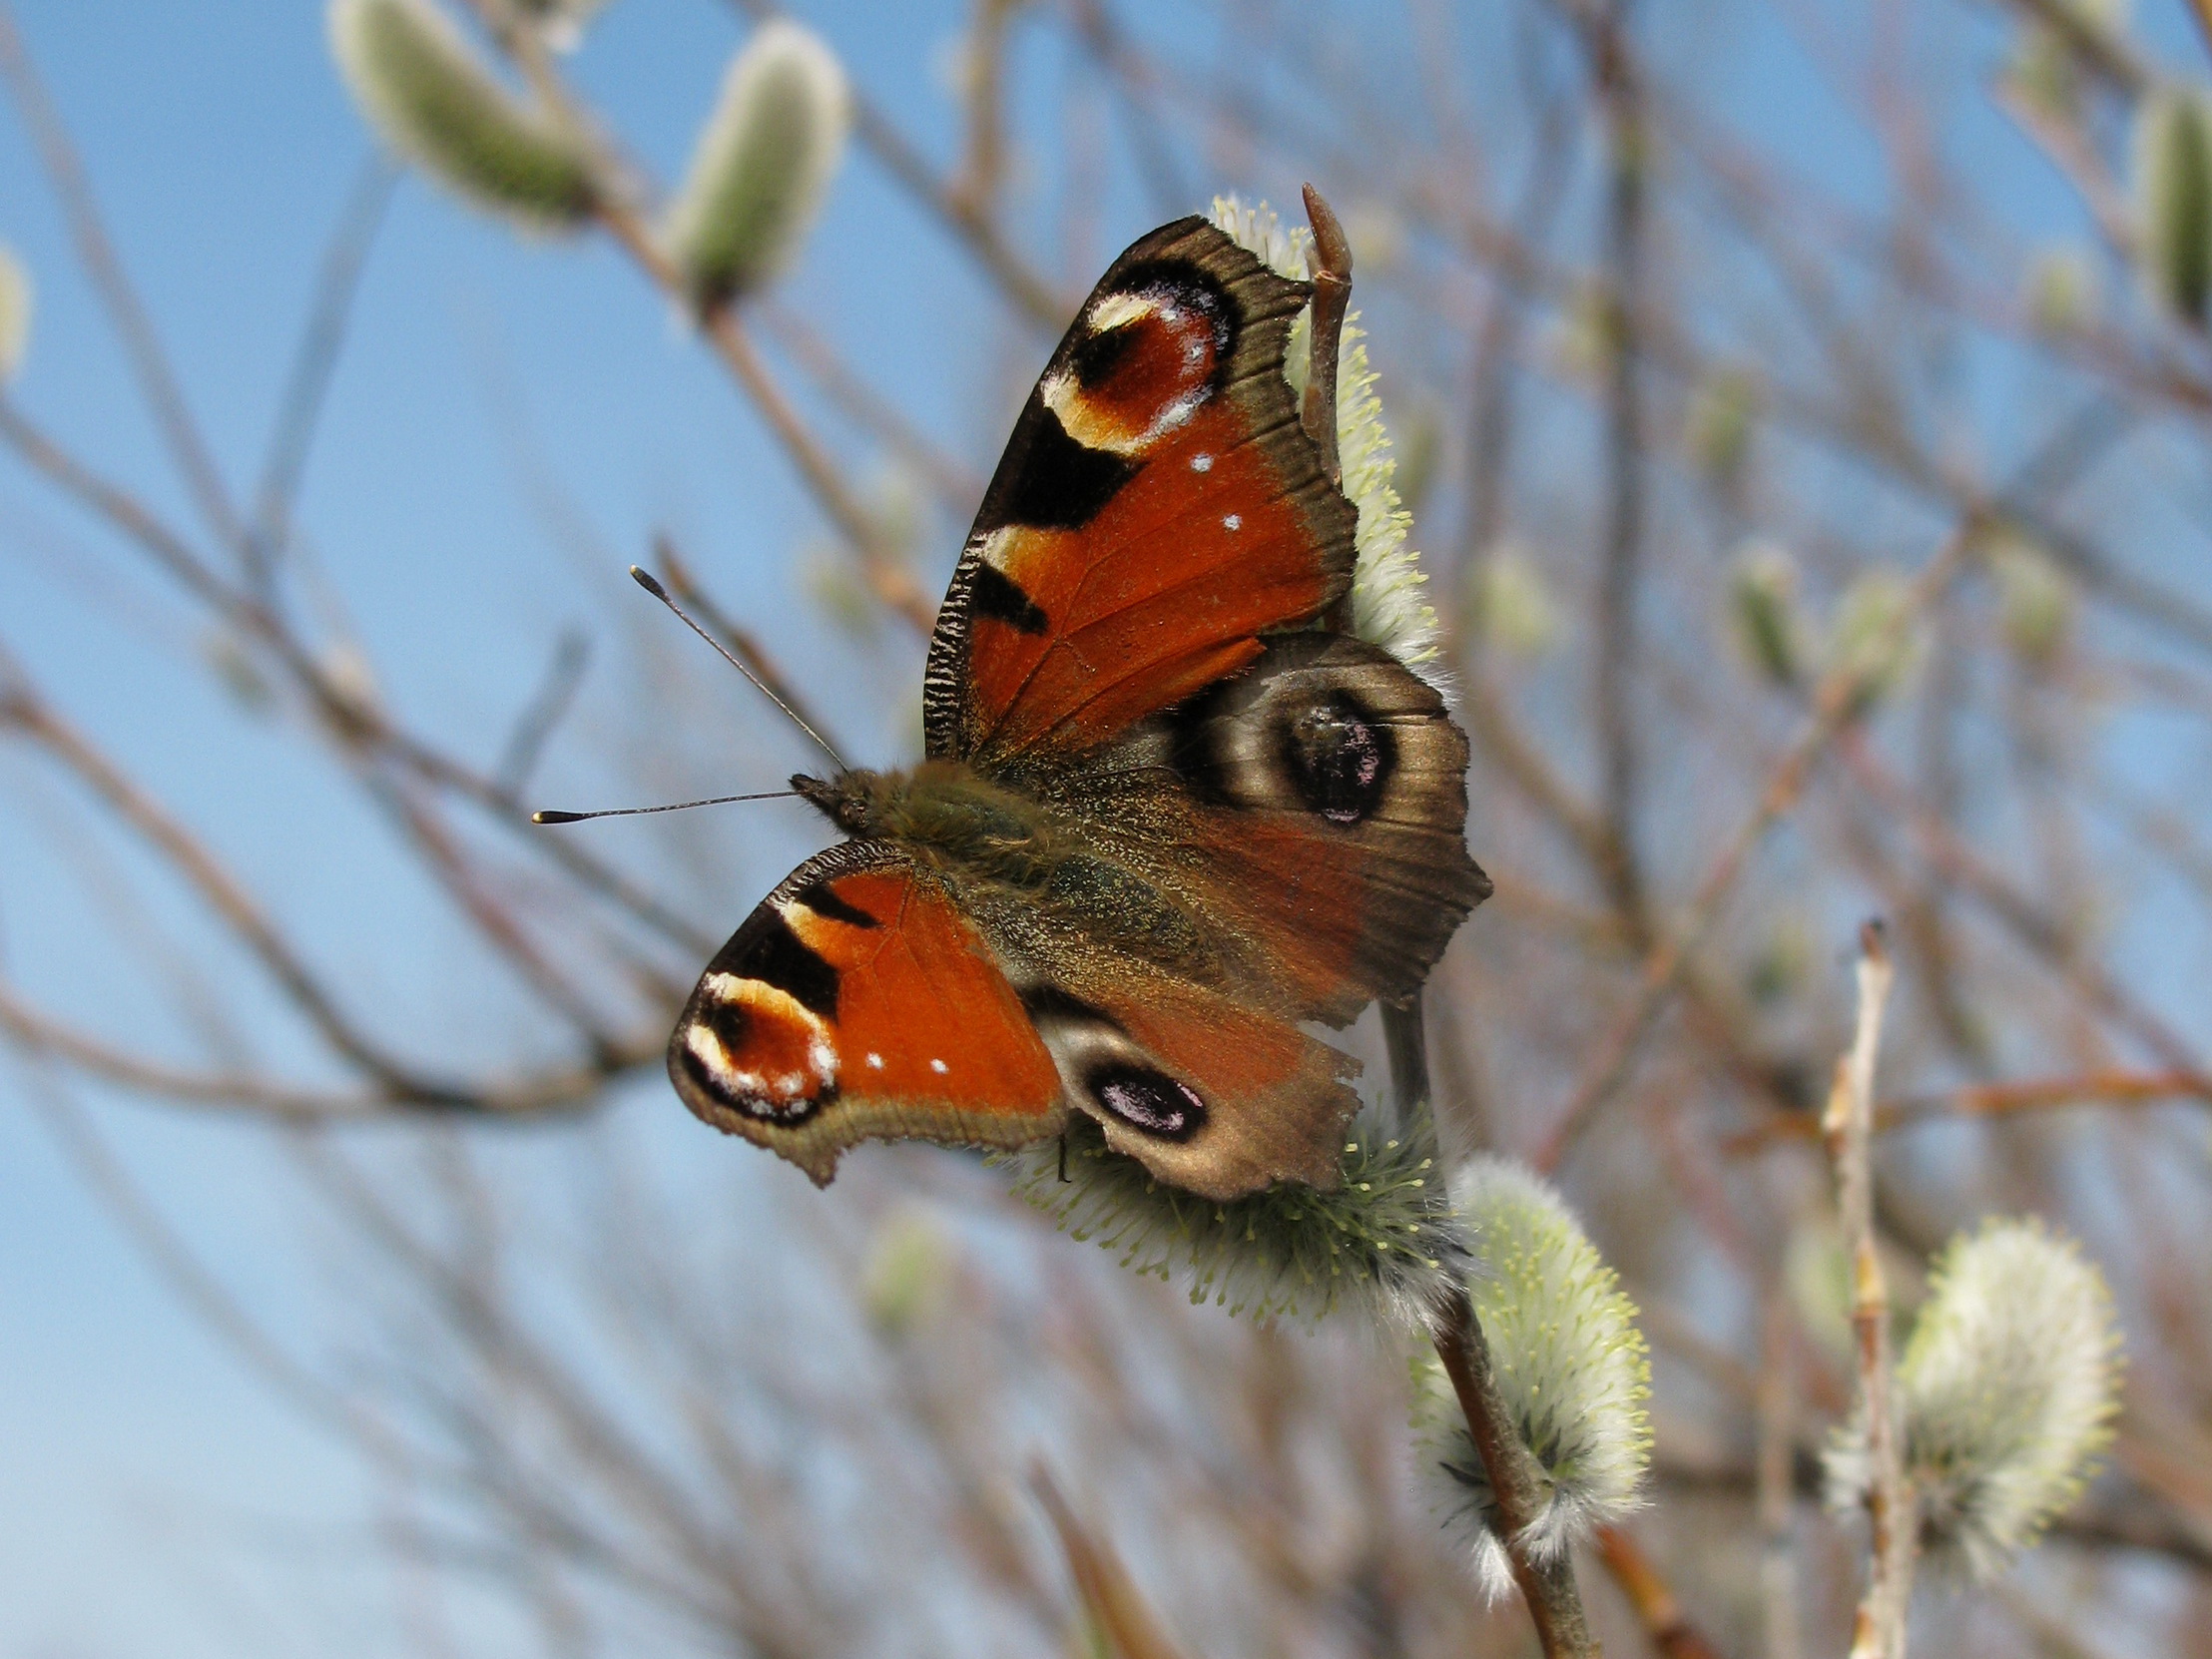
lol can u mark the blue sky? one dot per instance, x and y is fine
(154, 1498)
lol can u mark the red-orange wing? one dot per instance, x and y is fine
(856, 1003)
(1157, 511)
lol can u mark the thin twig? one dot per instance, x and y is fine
(957, 484)
(564, 1088)
(724, 326)
(360, 726)
(564, 673)
(313, 367)
(190, 1279)
(1879, 1630)
(65, 170)
(1781, 1600)
(1669, 1628)
(1614, 649)
(1516, 1479)
(1997, 1100)
(1835, 705)
(23, 712)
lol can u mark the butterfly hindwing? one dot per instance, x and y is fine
(1157, 511)
(1327, 786)
(1209, 1093)
(1287, 847)
(856, 1003)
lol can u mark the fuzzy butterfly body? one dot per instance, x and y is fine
(1172, 813)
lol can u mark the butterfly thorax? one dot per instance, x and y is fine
(950, 817)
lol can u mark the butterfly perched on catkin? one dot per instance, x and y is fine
(1172, 814)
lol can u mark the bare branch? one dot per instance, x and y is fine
(1848, 1125)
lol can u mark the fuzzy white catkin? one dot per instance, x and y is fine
(15, 314)
(433, 100)
(1388, 605)
(762, 164)
(1570, 1362)
(2007, 1386)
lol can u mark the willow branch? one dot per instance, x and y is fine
(1879, 1630)
(314, 365)
(1836, 704)
(1638, 1579)
(685, 585)
(1621, 561)
(725, 329)
(65, 170)
(1518, 1480)
(359, 727)
(524, 1094)
(23, 712)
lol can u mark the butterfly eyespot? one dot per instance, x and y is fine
(1149, 1100)
(1340, 759)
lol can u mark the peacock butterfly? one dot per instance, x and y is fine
(1172, 809)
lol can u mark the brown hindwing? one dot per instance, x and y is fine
(1311, 809)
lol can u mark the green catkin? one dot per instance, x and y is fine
(762, 167)
(2173, 199)
(1382, 1242)
(432, 99)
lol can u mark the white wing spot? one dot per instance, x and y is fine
(1235, 521)
(938, 1067)
(1202, 464)
(875, 1060)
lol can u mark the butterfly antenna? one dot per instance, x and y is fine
(672, 807)
(645, 580)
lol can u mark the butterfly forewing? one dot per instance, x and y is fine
(1157, 512)
(858, 1002)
